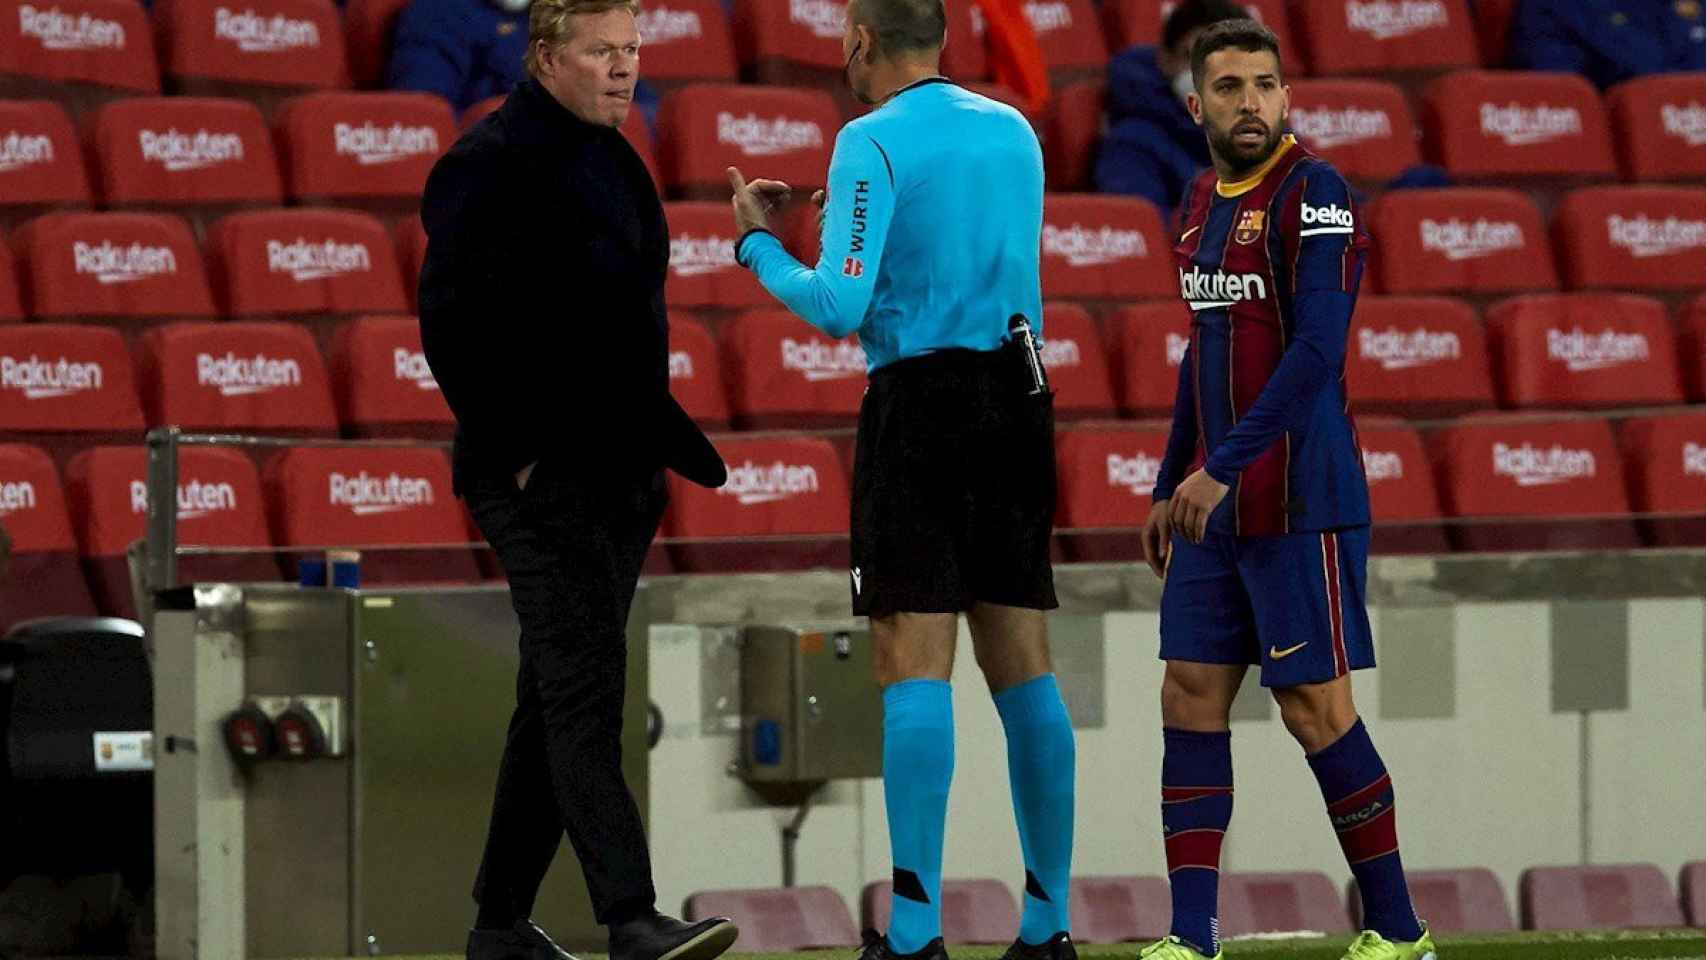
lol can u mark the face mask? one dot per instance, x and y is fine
(512, 6)
(1183, 85)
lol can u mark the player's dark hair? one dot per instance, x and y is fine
(1246, 35)
(1195, 15)
(902, 26)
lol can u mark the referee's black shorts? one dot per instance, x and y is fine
(953, 487)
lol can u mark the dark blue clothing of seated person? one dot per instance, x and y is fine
(462, 50)
(1609, 41)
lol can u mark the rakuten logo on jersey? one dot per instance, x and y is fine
(1061, 353)
(1645, 237)
(1532, 466)
(1687, 123)
(662, 25)
(1176, 347)
(372, 144)
(366, 495)
(317, 261)
(1326, 128)
(1138, 474)
(1084, 247)
(1693, 460)
(196, 499)
(818, 360)
(178, 151)
(1582, 352)
(1520, 126)
(1392, 19)
(691, 256)
(16, 497)
(1382, 465)
(410, 366)
(253, 33)
(753, 483)
(1046, 17)
(40, 379)
(1458, 240)
(108, 262)
(1396, 349)
(766, 138)
(60, 31)
(20, 150)
(235, 376)
(823, 18)
(1210, 291)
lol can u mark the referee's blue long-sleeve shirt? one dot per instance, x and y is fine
(932, 228)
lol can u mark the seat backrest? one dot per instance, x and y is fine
(1400, 479)
(1129, 23)
(806, 32)
(707, 128)
(1149, 343)
(279, 43)
(782, 486)
(1098, 247)
(779, 919)
(1073, 128)
(11, 302)
(783, 372)
(1693, 347)
(1584, 350)
(45, 577)
(1693, 883)
(1077, 362)
(1362, 127)
(964, 54)
(108, 43)
(980, 911)
(1643, 238)
(1666, 454)
(702, 267)
(345, 145)
(66, 378)
(41, 160)
(1070, 34)
(1553, 467)
(1660, 126)
(236, 376)
(1385, 36)
(1417, 356)
(219, 499)
(1279, 902)
(1453, 901)
(411, 239)
(688, 40)
(1620, 896)
(185, 151)
(696, 370)
(1107, 473)
(305, 261)
(1461, 239)
(380, 376)
(1119, 909)
(112, 265)
(368, 29)
(1502, 124)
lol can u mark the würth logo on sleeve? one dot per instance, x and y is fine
(1394, 19)
(16, 497)
(1459, 240)
(1685, 122)
(1048, 17)
(1396, 349)
(1582, 352)
(1136, 474)
(235, 376)
(59, 31)
(1381, 465)
(196, 499)
(19, 150)
(691, 256)
(760, 137)
(1326, 128)
(1645, 237)
(178, 151)
(319, 260)
(1693, 460)
(109, 262)
(1532, 466)
(755, 483)
(1089, 247)
(370, 144)
(366, 495)
(1524, 126)
(817, 359)
(410, 366)
(822, 17)
(663, 25)
(253, 33)
(39, 379)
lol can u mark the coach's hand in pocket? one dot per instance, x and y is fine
(1158, 537)
(754, 202)
(1192, 503)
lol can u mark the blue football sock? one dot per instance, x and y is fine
(918, 766)
(1196, 808)
(1042, 765)
(1360, 802)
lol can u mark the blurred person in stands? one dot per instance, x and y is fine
(931, 231)
(463, 50)
(1260, 523)
(543, 319)
(1153, 149)
(1609, 41)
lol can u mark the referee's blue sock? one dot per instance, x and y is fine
(1042, 764)
(918, 766)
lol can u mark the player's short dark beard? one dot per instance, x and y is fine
(1221, 144)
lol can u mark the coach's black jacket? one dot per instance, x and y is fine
(541, 300)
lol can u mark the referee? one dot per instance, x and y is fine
(931, 238)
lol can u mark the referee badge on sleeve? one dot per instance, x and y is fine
(1250, 225)
(853, 267)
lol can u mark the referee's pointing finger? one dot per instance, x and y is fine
(737, 181)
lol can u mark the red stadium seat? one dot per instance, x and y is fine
(79, 52)
(1498, 125)
(687, 40)
(1461, 240)
(1693, 883)
(1129, 23)
(1453, 901)
(1693, 347)
(964, 57)
(1119, 909)
(1073, 131)
(790, 42)
(1598, 897)
(189, 155)
(1567, 471)
(779, 919)
(1363, 127)
(1417, 356)
(127, 268)
(1401, 490)
(696, 372)
(1584, 350)
(1279, 902)
(794, 488)
(46, 579)
(1106, 475)
(481, 110)
(1105, 248)
(1070, 34)
(243, 377)
(369, 150)
(980, 911)
(41, 160)
(314, 264)
(411, 238)
(1077, 362)
(1038, 120)
(702, 268)
(1642, 238)
(1492, 29)
(1386, 36)
(372, 499)
(67, 386)
(783, 373)
(1660, 126)
(219, 505)
(368, 29)
(11, 304)
(773, 132)
(1666, 455)
(265, 52)
(383, 384)
(1149, 343)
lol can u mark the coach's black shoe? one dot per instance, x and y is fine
(1057, 947)
(877, 948)
(657, 937)
(524, 941)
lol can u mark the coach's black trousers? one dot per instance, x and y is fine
(572, 549)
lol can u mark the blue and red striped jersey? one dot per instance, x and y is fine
(1270, 268)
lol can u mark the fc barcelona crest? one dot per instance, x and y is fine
(1250, 225)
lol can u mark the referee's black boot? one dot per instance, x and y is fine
(657, 937)
(1057, 947)
(524, 941)
(877, 947)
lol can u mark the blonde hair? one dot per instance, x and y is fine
(548, 21)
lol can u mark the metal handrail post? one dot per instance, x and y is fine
(162, 569)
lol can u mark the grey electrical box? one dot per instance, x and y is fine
(811, 709)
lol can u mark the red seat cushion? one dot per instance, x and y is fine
(1461, 239)
(1584, 350)
(1384, 36)
(785, 132)
(1363, 127)
(792, 487)
(236, 376)
(1660, 125)
(1119, 909)
(41, 161)
(185, 151)
(780, 919)
(1272, 902)
(1149, 340)
(360, 145)
(66, 378)
(696, 370)
(1645, 238)
(1694, 347)
(1485, 123)
(108, 43)
(1106, 478)
(1417, 356)
(1453, 901)
(279, 43)
(702, 267)
(113, 265)
(687, 40)
(1104, 248)
(1666, 454)
(382, 381)
(1621, 896)
(305, 262)
(45, 578)
(1077, 362)
(782, 372)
